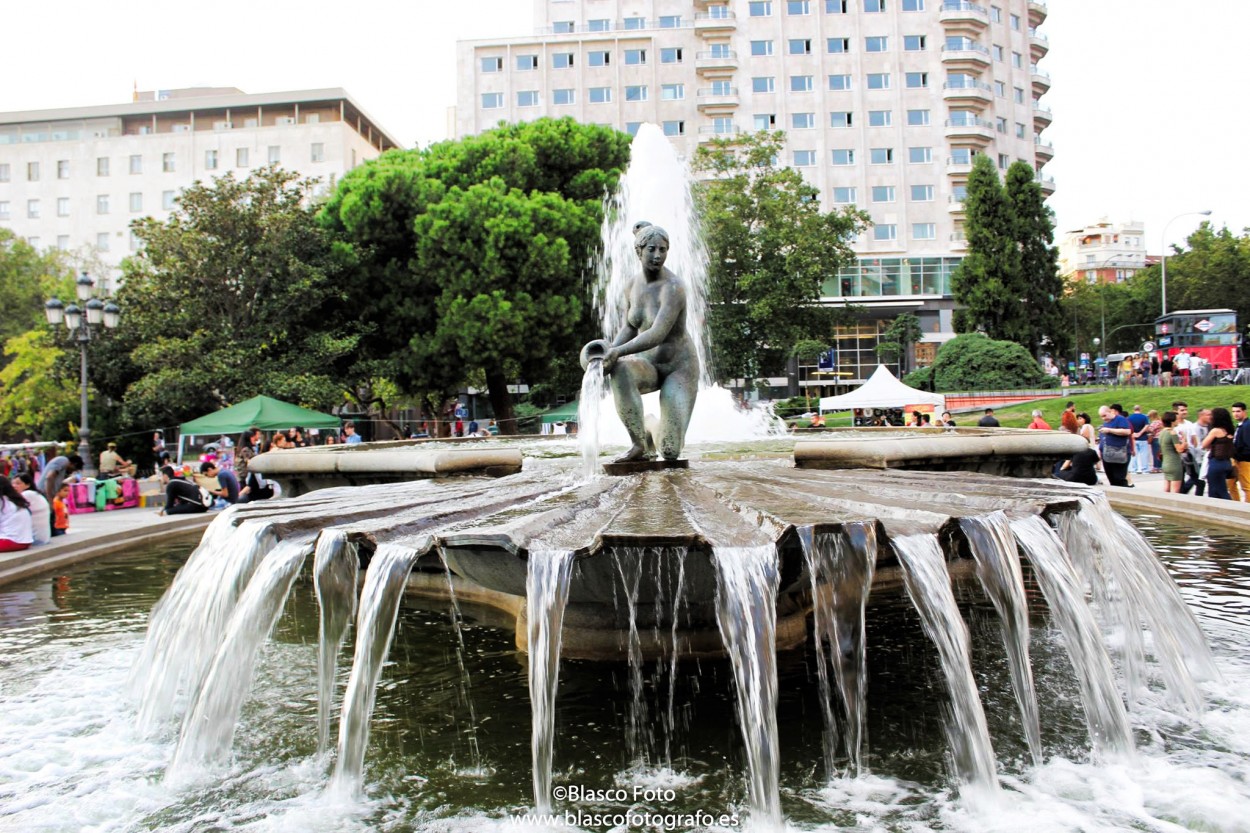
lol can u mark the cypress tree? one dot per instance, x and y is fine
(987, 284)
(1039, 260)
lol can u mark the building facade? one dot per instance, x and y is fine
(884, 104)
(75, 178)
(1104, 252)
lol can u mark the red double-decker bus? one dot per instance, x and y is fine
(1209, 333)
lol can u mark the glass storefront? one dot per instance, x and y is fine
(890, 276)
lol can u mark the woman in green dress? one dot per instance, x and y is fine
(1172, 444)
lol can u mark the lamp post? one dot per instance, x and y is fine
(1163, 308)
(79, 322)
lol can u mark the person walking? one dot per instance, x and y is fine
(1172, 446)
(1195, 455)
(1219, 447)
(1142, 456)
(1241, 453)
(1156, 453)
(1116, 434)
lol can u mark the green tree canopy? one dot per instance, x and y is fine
(1034, 229)
(989, 283)
(896, 341)
(473, 254)
(238, 293)
(771, 248)
(977, 362)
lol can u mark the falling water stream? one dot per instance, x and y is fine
(546, 595)
(336, 570)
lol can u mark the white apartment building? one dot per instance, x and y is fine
(1104, 252)
(76, 178)
(884, 104)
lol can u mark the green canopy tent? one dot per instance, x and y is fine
(263, 412)
(564, 413)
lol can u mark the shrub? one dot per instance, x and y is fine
(976, 362)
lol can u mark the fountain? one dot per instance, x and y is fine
(725, 558)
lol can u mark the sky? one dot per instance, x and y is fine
(1149, 121)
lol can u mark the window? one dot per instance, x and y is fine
(273, 154)
(563, 98)
(670, 21)
(844, 196)
(800, 83)
(62, 242)
(102, 204)
(761, 8)
(631, 127)
(492, 64)
(913, 5)
(525, 63)
(879, 118)
(562, 27)
(841, 118)
(241, 157)
(62, 206)
(840, 82)
(32, 171)
(923, 231)
(102, 242)
(913, 43)
(802, 121)
(101, 166)
(527, 98)
(1000, 124)
(1019, 130)
(916, 80)
(721, 50)
(33, 241)
(998, 53)
(136, 202)
(134, 241)
(876, 44)
(167, 163)
(763, 84)
(637, 92)
(670, 55)
(765, 121)
(874, 5)
(961, 156)
(917, 155)
(1015, 22)
(959, 192)
(836, 6)
(878, 80)
(5, 172)
(635, 57)
(599, 58)
(761, 47)
(674, 128)
(844, 157)
(722, 87)
(1000, 89)
(562, 60)
(723, 124)
(4, 209)
(490, 101)
(922, 193)
(798, 7)
(32, 209)
(635, 23)
(1003, 161)
(837, 45)
(883, 193)
(1017, 60)
(600, 95)
(805, 159)
(800, 46)
(917, 118)
(1018, 94)
(885, 231)
(62, 169)
(996, 14)
(601, 24)
(167, 200)
(672, 92)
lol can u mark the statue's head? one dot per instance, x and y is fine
(645, 234)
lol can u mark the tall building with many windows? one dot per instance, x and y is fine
(75, 178)
(884, 104)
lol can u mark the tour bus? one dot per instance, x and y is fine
(1209, 333)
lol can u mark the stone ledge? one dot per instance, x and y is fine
(1201, 511)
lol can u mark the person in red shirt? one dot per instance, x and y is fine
(1038, 422)
(60, 524)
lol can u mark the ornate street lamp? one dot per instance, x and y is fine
(79, 322)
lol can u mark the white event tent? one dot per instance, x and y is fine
(882, 390)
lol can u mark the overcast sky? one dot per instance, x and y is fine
(1149, 120)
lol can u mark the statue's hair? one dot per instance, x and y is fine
(648, 233)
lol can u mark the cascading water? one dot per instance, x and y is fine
(670, 713)
(375, 628)
(998, 568)
(466, 682)
(589, 404)
(628, 564)
(929, 587)
(208, 729)
(336, 568)
(546, 596)
(1104, 711)
(841, 567)
(746, 611)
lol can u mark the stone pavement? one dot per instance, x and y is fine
(94, 534)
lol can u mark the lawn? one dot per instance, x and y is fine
(1160, 399)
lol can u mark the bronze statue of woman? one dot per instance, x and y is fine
(652, 352)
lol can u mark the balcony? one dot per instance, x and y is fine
(966, 91)
(1042, 116)
(715, 23)
(1047, 183)
(1043, 150)
(959, 13)
(1039, 43)
(955, 205)
(958, 167)
(712, 61)
(1037, 13)
(708, 132)
(710, 98)
(970, 55)
(970, 129)
(959, 243)
(1041, 80)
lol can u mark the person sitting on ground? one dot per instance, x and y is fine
(40, 511)
(113, 464)
(58, 470)
(217, 482)
(16, 523)
(1081, 468)
(989, 420)
(256, 487)
(182, 497)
